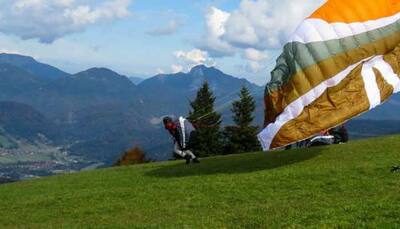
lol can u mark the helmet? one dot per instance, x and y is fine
(167, 120)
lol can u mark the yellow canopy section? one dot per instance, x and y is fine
(350, 11)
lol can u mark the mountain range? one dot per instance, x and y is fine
(99, 113)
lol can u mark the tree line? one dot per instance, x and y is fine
(212, 139)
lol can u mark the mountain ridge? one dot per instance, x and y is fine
(34, 67)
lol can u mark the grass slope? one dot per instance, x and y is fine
(346, 186)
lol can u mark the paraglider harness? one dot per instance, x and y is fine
(337, 135)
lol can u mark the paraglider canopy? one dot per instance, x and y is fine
(341, 62)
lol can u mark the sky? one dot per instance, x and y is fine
(147, 37)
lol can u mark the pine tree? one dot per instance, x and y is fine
(242, 137)
(207, 122)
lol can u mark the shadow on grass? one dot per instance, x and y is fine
(234, 164)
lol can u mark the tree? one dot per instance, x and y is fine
(131, 157)
(207, 122)
(242, 137)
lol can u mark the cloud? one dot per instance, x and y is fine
(188, 59)
(215, 28)
(255, 60)
(194, 57)
(168, 29)
(254, 54)
(7, 51)
(48, 20)
(176, 68)
(263, 24)
(256, 30)
(256, 24)
(254, 67)
(160, 71)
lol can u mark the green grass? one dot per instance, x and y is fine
(345, 186)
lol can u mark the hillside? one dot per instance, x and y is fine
(345, 186)
(23, 121)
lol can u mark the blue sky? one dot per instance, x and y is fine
(146, 37)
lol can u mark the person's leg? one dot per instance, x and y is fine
(192, 156)
(182, 153)
(178, 151)
(189, 152)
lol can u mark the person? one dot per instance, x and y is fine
(336, 135)
(184, 135)
(340, 133)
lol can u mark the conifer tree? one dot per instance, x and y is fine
(242, 137)
(207, 122)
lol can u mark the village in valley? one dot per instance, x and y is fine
(21, 160)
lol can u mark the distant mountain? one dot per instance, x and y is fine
(16, 83)
(61, 98)
(170, 93)
(360, 128)
(99, 82)
(32, 66)
(188, 83)
(25, 122)
(103, 74)
(136, 80)
(89, 108)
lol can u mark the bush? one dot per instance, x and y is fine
(131, 157)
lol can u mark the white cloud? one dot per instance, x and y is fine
(189, 59)
(194, 57)
(160, 71)
(215, 25)
(186, 60)
(257, 28)
(254, 66)
(256, 24)
(255, 59)
(7, 51)
(170, 28)
(254, 55)
(216, 20)
(176, 68)
(48, 20)
(263, 24)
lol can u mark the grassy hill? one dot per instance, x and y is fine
(345, 186)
